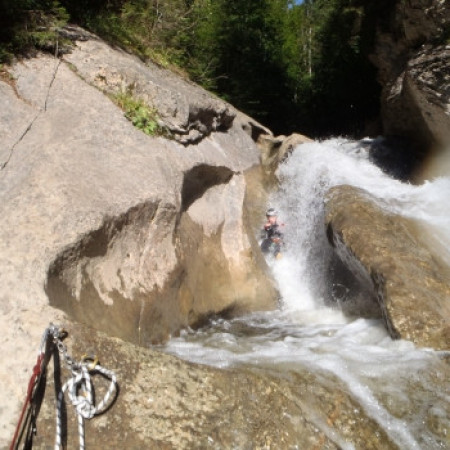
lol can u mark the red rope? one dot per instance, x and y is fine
(37, 369)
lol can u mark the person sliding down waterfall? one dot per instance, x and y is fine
(272, 234)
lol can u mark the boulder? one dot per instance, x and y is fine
(417, 102)
(136, 236)
(413, 70)
(189, 112)
(413, 291)
(167, 403)
(275, 149)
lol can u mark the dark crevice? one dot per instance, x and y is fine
(209, 119)
(205, 320)
(94, 244)
(199, 179)
(202, 122)
(22, 136)
(350, 287)
(51, 84)
(11, 152)
(397, 156)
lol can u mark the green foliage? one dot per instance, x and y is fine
(198, 43)
(241, 50)
(334, 83)
(292, 66)
(27, 25)
(151, 29)
(140, 114)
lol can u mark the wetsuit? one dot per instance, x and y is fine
(272, 239)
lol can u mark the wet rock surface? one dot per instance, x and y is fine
(413, 290)
(275, 149)
(167, 403)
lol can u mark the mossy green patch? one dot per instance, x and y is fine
(140, 114)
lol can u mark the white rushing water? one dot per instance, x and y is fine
(305, 333)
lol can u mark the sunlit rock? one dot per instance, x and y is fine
(136, 236)
(165, 402)
(413, 290)
(188, 111)
(275, 149)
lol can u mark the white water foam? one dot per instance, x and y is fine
(309, 173)
(307, 334)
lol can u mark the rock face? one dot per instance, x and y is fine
(136, 236)
(380, 248)
(413, 55)
(274, 150)
(170, 404)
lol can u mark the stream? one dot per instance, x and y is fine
(401, 387)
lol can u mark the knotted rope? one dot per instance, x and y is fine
(80, 393)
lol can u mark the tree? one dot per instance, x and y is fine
(336, 89)
(291, 66)
(29, 24)
(245, 48)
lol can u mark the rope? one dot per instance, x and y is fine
(21, 426)
(27, 420)
(80, 393)
(79, 387)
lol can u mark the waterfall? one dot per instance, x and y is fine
(380, 374)
(306, 177)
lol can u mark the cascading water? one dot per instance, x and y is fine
(310, 172)
(391, 380)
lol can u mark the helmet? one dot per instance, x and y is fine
(271, 212)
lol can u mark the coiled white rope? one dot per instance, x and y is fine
(80, 392)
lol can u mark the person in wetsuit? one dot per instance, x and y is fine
(272, 234)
